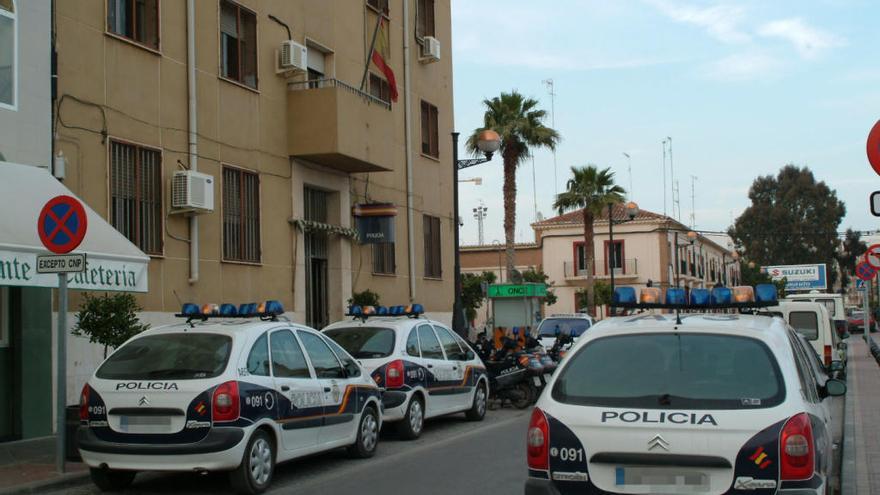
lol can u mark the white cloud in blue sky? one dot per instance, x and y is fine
(742, 87)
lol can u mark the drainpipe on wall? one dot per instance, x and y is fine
(407, 114)
(193, 133)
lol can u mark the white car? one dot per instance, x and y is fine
(574, 324)
(424, 368)
(233, 395)
(709, 403)
(813, 321)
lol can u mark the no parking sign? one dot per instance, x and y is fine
(62, 224)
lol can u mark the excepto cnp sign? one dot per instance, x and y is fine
(800, 277)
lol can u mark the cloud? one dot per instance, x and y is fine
(809, 42)
(720, 21)
(744, 67)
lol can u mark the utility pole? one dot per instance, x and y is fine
(664, 177)
(672, 178)
(535, 188)
(629, 168)
(676, 200)
(551, 89)
(693, 202)
(480, 215)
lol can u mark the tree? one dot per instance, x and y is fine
(602, 295)
(533, 276)
(472, 296)
(850, 255)
(591, 190)
(518, 122)
(364, 298)
(793, 219)
(108, 320)
(752, 275)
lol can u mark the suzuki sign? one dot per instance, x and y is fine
(800, 277)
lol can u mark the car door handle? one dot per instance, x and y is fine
(285, 388)
(430, 366)
(455, 367)
(327, 389)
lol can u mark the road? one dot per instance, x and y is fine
(452, 456)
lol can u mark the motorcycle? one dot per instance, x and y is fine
(509, 377)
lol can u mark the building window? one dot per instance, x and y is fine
(430, 137)
(8, 53)
(241, 215)
(136, 195)
(137, 20)
(238, 43)
(383, 258)
(380, 88)
(433, 266)
(379, 5)
(426, 18)
(614, 256)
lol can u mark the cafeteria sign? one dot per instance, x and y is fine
(521, 290)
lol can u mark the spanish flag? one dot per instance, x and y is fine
(380, 55)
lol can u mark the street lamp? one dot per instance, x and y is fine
(632, 211)
(691, 239)
(488, 142)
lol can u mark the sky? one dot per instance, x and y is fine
(742, 88)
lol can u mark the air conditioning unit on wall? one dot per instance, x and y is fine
(292, 57)
(192, 191)
(430, 50)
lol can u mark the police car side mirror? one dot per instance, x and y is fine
(836, 366)
(832, 388)
(469, 355)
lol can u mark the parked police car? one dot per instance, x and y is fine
(425, 369)
(228, 394)
(574, 325)
(705, 403)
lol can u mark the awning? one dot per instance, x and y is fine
(113, 263)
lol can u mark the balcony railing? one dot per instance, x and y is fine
(630, 268)
(337, 125)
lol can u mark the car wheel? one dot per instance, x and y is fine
(254, 474)
(478, 409)
(413, 421)
(522, 395)
(367, 436)
(109, 480)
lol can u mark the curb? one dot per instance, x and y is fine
(848, 460)
(68, 480)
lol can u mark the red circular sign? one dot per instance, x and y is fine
(872, 256)
(865, 271)
(874, 147)
(62, 224)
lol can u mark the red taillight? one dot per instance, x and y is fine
(827, 355)
(538, 440)
(394, 374)
(225, 402)
(796, 448)
(84, 403)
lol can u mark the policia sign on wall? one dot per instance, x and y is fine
(375, 222)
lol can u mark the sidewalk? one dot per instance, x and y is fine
(861, 464)
(28, 466)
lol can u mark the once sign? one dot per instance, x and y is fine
(61, 263)
(523, 290)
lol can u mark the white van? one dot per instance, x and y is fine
(813, 321)
(833, 303)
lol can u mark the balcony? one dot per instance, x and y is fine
(339, 126)
(629, 270)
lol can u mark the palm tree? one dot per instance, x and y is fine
(518, 122)
(589, 190)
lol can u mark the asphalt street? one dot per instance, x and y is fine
(452, 456)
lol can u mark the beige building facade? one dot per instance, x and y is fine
(643, 251)
(288, 150)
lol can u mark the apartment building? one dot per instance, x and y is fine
(291, 136)
(649, 248)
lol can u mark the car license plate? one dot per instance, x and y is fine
(127, 421)
(537, 381)
(685, 481)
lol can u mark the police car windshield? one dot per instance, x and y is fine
(680, 371)
(364, 342)
(573, 326)
(175, 356)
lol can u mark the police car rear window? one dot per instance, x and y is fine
(681, 371)
(572, 326)
(364, 342)
(805, 323)
(178, 356)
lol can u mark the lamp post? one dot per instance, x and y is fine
(632, 210)
(488, 143)
(692, 238)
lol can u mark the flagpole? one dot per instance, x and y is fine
(370, 53)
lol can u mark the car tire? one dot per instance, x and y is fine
(109, 480)
(524, 395)
(367, 440)
(413, 421)
(254, 475)
(478, 409)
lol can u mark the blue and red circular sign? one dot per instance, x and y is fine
(874, 147)
(865, 271)
(62, 224)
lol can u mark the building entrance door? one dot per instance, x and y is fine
(317, 314)
(7, 368)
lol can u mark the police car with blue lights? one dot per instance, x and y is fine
(712, 398)
(424, 368)
(231, 389)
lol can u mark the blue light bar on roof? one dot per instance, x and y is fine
(247, 309)
(227, 309)
(190, 309)
(273, 308)
(675, 296)
(765, 293)
(381, 311)
(700, 297)
(624, 295)
(721, 295)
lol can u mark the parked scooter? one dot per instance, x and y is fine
(509, 376)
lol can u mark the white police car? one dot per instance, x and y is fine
(224, 394)
(706, 403)
(425, 369)
(574, 325)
